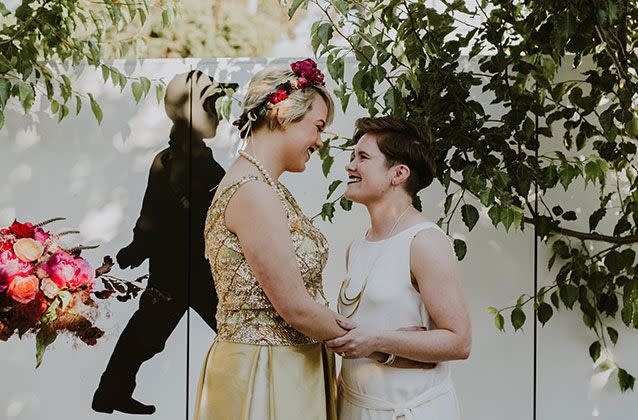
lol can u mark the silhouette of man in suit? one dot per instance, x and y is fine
(169, 232)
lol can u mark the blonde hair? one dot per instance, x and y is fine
(292, 109)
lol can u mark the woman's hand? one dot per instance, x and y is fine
(356, 343)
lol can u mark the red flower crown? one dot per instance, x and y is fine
(307, 74)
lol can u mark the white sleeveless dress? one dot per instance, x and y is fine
(369, 390)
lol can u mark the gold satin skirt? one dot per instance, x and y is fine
(257, 382)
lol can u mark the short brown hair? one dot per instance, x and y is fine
(402, 142)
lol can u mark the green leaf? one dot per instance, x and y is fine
(328, 211)
(51, 313)
(97, 111)
(555, 300)
(448, 203)
(5, 92)
(614, 261)
(65, 298)
(596, 217)
(64, 111)
(625, 380)
(345, 204)
(43, 339)
(294, 6)
(492, 310)
(557, 210)
(499, 322)
(146, 85)
(518, 318)
(416, 202)
(613, 334)
(627, 314)
(323, 35)
(26, 95)
(78, 105)
(160, 90)
(569, 294)
(470, 215)
(333, 186)
(336, 67)
(136, 88)
(570, 215)
(460, 249)
(105, 72)
(326, 165)
(594, 350)
(544, 312)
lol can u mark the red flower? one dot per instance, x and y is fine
(21, 230)
(277, 96)
(307, 69)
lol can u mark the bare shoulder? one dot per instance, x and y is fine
(253, 201)
(431, 245)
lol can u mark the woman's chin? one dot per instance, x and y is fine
(351, 195)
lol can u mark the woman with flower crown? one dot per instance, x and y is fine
(267, 361)
(402, 289)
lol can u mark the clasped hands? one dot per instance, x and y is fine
(360, 342)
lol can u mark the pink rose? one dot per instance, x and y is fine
(84, 276)
(10, 265)
(60, 268)
(68, 271)
(40, 235)
(23, 287)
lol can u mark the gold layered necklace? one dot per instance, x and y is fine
(344, 301)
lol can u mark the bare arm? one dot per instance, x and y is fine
(256, 215)
(399, 362)
(434, 268)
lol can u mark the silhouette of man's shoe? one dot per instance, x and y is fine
(124, 404)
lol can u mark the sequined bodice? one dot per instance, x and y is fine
(244, 313)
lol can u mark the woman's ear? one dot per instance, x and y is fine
(280, 118)
(401, 174)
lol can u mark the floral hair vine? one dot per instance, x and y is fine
(306, 74)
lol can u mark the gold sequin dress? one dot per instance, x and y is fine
(259, 367)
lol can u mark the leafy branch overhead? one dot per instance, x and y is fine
(41, 39)
(546, 129)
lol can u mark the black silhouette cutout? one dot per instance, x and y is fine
(169, 232)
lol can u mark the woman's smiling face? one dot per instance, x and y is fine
(303, 137)
(368, 173)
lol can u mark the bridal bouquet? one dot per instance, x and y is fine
(46, 289)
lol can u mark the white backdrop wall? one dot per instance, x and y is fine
(95, 176)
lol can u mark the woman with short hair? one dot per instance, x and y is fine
(403, 289)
